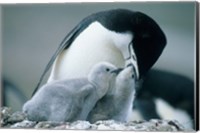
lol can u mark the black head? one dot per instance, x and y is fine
(149, 40)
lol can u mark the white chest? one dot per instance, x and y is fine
(93, 45)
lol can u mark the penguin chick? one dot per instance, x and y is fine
(71, 99)
(117, 103)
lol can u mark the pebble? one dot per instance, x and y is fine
(5, 114)
(47, 125)
(19, 120)
(16, 117)
(24, 124)
(84, 125)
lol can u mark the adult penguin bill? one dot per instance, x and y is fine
(121, 37)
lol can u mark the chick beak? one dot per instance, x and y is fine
(117, 71)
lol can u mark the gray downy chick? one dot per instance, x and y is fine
(72, 99)
(117, 103)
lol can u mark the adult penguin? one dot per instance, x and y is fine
(121, 37)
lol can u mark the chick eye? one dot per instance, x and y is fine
(132, 76)
(107, 69)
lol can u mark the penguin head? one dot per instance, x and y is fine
(127, 75)
(102, 74)
(126, 81)
(148, 38)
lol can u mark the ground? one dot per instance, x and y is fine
(19, 120)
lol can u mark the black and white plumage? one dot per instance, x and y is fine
(70, 99)
(166, 95)
(118, 36)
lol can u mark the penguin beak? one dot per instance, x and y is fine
(130, 65)
(132, 60)
(117, 71)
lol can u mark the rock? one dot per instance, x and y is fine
(84, 125)
(16, 117)
(103, 127)
(5, 112)
(62, 126)
(47, 125)
(110, 125)
(5, 115)
(24, 124)
(19, 120)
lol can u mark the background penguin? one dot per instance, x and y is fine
(12, 96)
(161, 89)
(70, 100)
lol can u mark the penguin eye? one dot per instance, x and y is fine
(132, 76)
(107, 69)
